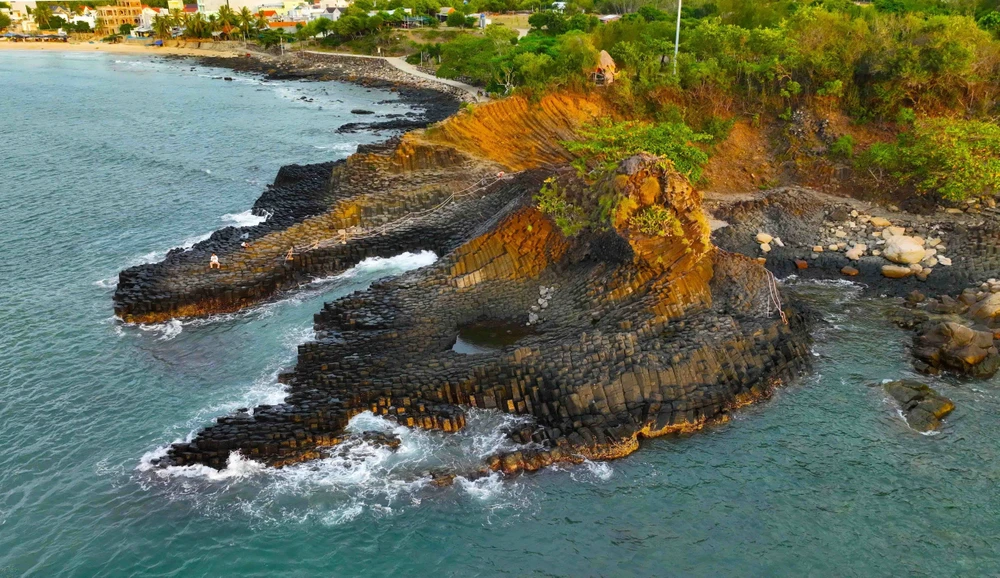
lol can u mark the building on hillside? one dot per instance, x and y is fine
(305, 13)
(110, 18)
(22, 23)
(175, 5)
(605, 71)
(146, 19)
(289, 5)
(286, 26)
(89, 16)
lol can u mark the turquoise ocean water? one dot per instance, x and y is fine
(107, 161)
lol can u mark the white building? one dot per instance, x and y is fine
(146, 18)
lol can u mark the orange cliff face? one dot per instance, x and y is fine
(516, 132)
(405, 189)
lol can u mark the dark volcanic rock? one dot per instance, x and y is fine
(922, 407)
(639, 337)
(804, 218)
(952, 346)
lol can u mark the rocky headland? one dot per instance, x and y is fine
(612, 334)
(631, 334)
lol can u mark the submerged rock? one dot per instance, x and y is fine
(922, 407)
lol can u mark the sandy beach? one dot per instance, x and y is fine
(123, 48)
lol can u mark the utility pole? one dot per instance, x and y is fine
(677, 39)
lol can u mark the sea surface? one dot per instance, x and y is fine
(109, 161)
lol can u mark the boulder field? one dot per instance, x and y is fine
(888, 252)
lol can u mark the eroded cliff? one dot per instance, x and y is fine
(429, 189)
(631, 335)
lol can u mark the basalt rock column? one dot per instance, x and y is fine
(636, 335)
(429, 190)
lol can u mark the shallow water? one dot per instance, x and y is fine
(113, 163)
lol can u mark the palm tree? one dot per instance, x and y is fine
(260, 23)
(197, 26)
(246, 21)
(176, 17)
(43, 14)
(162, 26)
(226, 15)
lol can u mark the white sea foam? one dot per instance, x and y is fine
(237, 467)
(485, 488)
(107, 283)
(358, 478)
(343, 147)
(391, 265)
(158, 255)
(244, 219)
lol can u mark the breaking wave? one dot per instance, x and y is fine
(244, 219)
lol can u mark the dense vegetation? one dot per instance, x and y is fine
(937, 61)
(945, 156)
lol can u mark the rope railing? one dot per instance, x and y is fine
(774, 297)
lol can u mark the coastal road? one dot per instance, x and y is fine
(400, 64)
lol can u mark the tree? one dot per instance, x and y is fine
(4, 21)
(457, 20)
(226, 15)
(162, 26)
(955, 159)
(261, 22)
(125, 29)
(245, 20)
(43, 14)
(197, 26)
(991, 22)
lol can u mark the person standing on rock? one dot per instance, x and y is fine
(213, 263)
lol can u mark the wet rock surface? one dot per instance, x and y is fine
(435, 101)
(642, 336)
(889, 252)
(953, 346)
(922, 407)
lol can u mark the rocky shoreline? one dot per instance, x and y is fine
(435, 101)
(945, 263)
(632, 335)
(635, 336)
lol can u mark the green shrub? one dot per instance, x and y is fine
(843, 147)
(569, 217)
(604, 145)
(718, 128)
(954, 159)
(656, 220)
